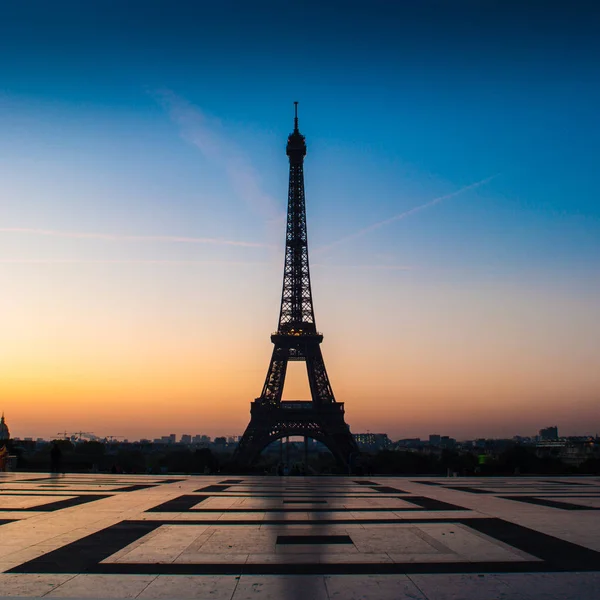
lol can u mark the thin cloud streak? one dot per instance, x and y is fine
(405, 214)
(207, 134)
(132, 238)
(83, 261)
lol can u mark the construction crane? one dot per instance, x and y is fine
(77, 436)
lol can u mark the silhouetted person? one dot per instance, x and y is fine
(55, 458)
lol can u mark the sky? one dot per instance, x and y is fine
(452, 205)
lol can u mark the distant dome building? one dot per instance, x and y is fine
(4, 432)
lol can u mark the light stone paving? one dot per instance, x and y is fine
(237, 537)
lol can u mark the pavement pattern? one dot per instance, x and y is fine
(316, 538)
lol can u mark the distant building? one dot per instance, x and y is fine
(201, 439)
(409, 443)
(186, 438)
(172, 438)
(375, 441)
(549, 433)
(435, 439)
(4, 432)
(447, 442)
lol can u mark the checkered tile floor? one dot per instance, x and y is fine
(103, 536)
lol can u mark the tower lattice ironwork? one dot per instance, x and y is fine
(297, 339)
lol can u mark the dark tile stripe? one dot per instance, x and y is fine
(565, 482)
(85, 554)
(548, 502)
(558, 554)
(430, 504)
(384, 489)
(468, 489)
(369, 483)
(213, 488)
(231, 481)
(180, 504)
(186, 502)
(313, 539)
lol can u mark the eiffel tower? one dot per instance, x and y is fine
(297, 338)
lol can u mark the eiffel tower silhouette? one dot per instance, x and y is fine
(297, 338)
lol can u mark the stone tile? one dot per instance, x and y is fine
(102, 586)
(201, 587)
(199, 558)
(275, 588)
(369, 587)
(241, 516)
(163, 545)
(285, 559)
(554, 586)
(30, 584)
(357, 557)
(398, 540)
(466, 587)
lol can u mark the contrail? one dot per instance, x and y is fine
(370, 267)
(133, 238)
(405, 214)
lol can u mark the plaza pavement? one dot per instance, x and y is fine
(347, 538)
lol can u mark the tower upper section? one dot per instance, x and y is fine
(297, 314)
(296, 146)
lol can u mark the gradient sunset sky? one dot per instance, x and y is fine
(453, 203)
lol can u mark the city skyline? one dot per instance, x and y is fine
(453, 223)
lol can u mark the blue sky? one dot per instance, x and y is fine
(148, 122)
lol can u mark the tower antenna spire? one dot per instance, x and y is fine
(295, 116)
